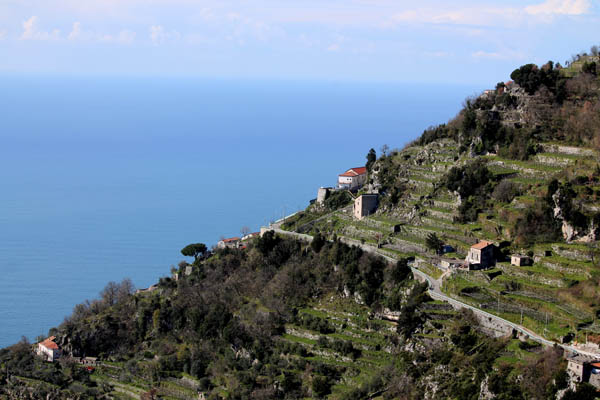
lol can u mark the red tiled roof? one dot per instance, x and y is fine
(481, 245)
(355, 171)
(233, 239)
(49, 343)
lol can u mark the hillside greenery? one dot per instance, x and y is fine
(272, 321)
(518, 166)
(286, 319)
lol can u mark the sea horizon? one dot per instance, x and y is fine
(106, 179)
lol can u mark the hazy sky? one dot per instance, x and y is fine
(458, 41)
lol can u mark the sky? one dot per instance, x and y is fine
(461, 41)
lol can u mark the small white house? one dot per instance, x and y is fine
(353, 178)
(519, 260)
(48, 349)
(232, 243)
(481, 255)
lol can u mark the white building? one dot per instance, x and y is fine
(519, 260)
(232, 243)
(48, 349)
(481, 255)
(353, 178)
(250, 236)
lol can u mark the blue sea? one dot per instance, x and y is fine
(103, 179)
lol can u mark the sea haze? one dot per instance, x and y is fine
(109, 178)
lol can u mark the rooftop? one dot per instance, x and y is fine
(581, 359)
(482, 245)
(49, 343)
(355, 171)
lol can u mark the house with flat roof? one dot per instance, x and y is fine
(481, 255)
(519, 260)
(353, 178)
(450, 263)
(365, 205)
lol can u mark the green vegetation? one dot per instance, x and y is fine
(518, 166)
(194, 250)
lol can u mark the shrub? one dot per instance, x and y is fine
(505, 191)
(338, 199)
(321, 386)
(318, 242)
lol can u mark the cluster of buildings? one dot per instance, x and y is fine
(353, 180)
(482, 256)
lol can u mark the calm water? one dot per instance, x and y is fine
(106, 179)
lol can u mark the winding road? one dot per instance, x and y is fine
(435, 292)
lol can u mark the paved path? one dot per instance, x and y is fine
(436, 293)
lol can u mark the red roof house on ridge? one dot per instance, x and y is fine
(352, 178)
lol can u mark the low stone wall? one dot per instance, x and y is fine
(576, 151)
(511, 271)
(554, 161)
(488, 324)
(301, 236)
(446, 205)
(432, 222)
(406, 247)
(572, 254)
(566, 270)
(442, 215)
(523, 170)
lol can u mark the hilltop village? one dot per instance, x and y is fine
(462, 266)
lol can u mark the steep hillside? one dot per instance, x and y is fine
(280, 319)
(340, 314)
(518, 166)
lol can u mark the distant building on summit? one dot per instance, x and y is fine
(365, 205)
(353, 178)
(48, 349)
(481, 255)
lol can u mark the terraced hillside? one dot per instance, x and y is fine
(325, 316)
(534, 195)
